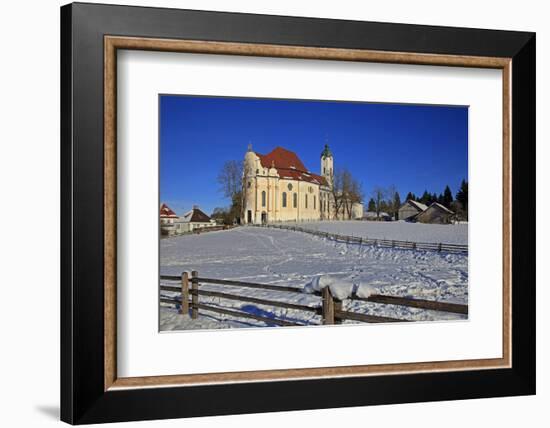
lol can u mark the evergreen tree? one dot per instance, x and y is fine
(396, 201)
(396, 205)
(462, 195)
(425, 199)
(410, 197)
(447, 198)
(372, 206)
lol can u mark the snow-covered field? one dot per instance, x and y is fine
(398, 230)
(273, 256)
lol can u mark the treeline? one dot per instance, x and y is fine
(388, 200)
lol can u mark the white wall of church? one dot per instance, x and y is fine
(270, 199)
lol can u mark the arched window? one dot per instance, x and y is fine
(284, 199)
(306, 202)
(314, 202)
(295, 200)
(263, 198)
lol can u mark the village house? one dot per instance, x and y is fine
(172, 224)
(373, 216)
(193, 220)
(410, 209)
(278, 187)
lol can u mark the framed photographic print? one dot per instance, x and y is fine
(316, 212)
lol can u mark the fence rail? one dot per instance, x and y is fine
(328, 307)
(385, 243)
(197, 231)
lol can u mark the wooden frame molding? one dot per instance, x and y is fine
(113, 43)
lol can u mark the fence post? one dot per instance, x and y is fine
(185, 293)
(439, 247)
(195, 295)
(414, 245)
(337, 307)
(328, 306)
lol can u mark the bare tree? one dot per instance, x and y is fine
(379, 195)
(393, 200)
(230, 180)
(346, 191)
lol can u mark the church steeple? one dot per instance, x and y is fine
(327, 164)
(326, 152)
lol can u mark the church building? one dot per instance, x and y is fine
(278, 187)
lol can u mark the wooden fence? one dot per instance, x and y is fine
(200, 230)
(386, 243)
(328, 307)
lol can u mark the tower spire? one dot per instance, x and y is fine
(327, 164)
(326, 153)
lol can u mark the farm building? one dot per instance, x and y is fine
(435, 214)
(410, 209)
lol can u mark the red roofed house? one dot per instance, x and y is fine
(167, 219)
(278, 187)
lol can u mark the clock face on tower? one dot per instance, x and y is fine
(289, 186)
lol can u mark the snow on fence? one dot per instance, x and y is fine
(386, 243)
(329, 307)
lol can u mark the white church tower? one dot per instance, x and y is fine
(327, 165)
(249, 186)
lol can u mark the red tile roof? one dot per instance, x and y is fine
(282, 158)
(165, 211)
(289, 166)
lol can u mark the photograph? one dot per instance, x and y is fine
(283, 212)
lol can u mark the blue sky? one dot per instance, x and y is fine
(413, 147)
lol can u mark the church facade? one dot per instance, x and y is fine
(278, 187)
